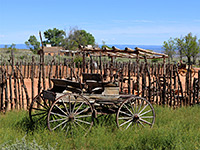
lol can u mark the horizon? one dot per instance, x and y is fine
(125, 23)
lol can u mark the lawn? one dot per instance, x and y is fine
(173, 129)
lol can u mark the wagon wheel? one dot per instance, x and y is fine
(71, 113)
(39, 109)
(135, 111)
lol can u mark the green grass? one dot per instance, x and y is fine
(173, 129)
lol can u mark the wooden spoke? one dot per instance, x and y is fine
(79, 108)
(61, 110)
(38, 114)
(60, 124)
(80, 126)
(124, 118)
(125, 113)
(76, 115)
(83, 116)
(143, 108)
(38, 109)
(83, 121)
(125, 122)
(57, 120)
(144, 114)
(65, 107)
(82, 111)
(57, 114)
(129, 125)
(128, 109)
(145, 121)
(141, 123)
(146, 117)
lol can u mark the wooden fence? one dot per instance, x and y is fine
(160, 83)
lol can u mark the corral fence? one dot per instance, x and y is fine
(160, 83)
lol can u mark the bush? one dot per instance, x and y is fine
(23, 145)
(78, 59)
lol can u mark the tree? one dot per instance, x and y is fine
(54, 36)
(33, 44)
(180, 46)
(78, 37)
(104, 45)
(12, 47)
(191, 47)
(169, 48)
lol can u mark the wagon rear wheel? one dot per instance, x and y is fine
(39, 109)
(135, 111)
(71, 113)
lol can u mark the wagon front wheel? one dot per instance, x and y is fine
(72, 114)
(135, 111)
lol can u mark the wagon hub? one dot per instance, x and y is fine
(71, 117)
(135, 118)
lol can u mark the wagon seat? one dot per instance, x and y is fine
(94, 83)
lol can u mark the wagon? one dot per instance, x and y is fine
(73, 106)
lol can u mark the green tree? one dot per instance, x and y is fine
(54, 36)
(180, 46)
(169, 48)
(191, 47)
(33, 44)
(6, 46)
(78, 37)
(12, 47)
(104, 45)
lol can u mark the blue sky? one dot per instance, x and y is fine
(141, 22)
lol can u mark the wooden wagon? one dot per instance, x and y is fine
(73, 106)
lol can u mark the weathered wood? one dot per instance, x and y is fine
(83, 61)
(138, 76)
(60, 70)
(198, 90)
(179, 84)
(194, 91)
(24, 69)
(15, 90)
(129, 78)
(6, 91)
(23, 106)
(24, 86)
(28, 70)
(1, 89)
(10, 87)
(19, 92)
(32, 77)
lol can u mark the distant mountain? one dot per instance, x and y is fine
(18, 46)
(155, 48)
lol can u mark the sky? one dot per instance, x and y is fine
(133, 22)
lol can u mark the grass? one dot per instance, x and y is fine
(173, 129)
